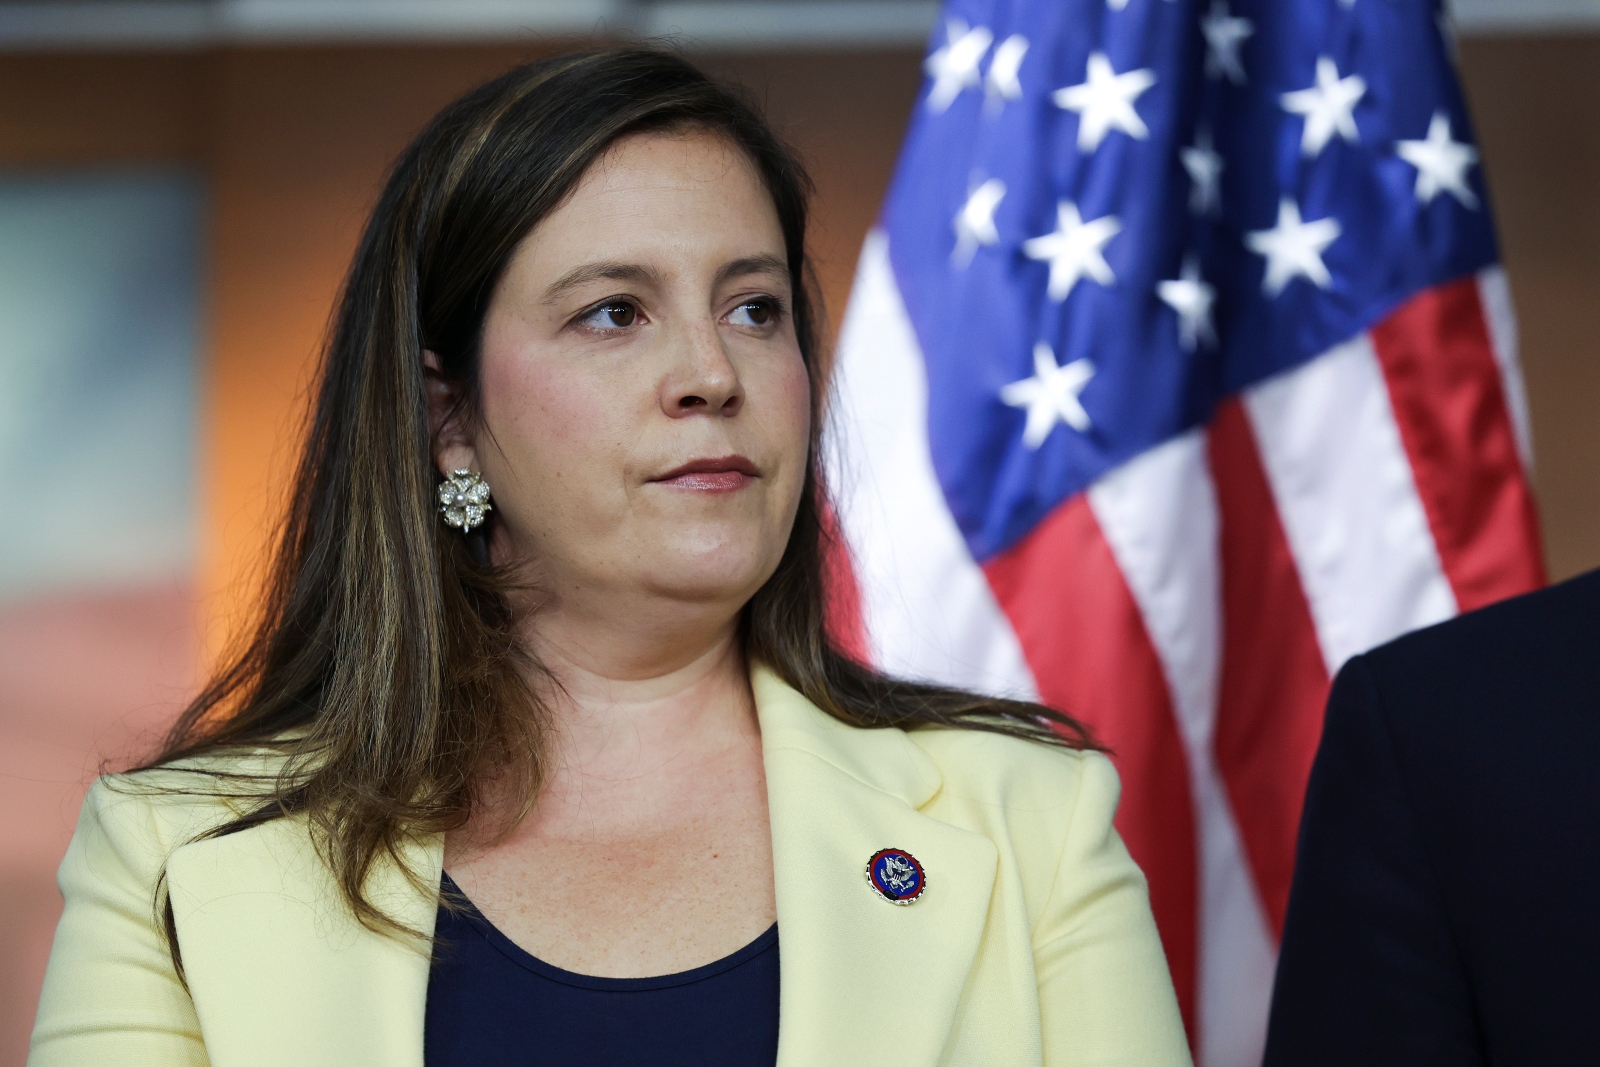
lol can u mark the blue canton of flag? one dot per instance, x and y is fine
(1111, 214)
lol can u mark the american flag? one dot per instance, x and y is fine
(1179, 370)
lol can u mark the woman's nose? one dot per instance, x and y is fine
(706, 381)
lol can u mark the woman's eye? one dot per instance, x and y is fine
(754, 313)
(618, 314)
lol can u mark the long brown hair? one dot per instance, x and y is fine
(384, 674)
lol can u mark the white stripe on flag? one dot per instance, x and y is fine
(928, 609)
(1495, 292)
(1348, 500)
(1158, 512)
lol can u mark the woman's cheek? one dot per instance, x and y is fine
(551, 412)
(797, 392)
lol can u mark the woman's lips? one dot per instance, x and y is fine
(724, 474)
(710, 481)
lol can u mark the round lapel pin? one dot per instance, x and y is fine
(896, 876)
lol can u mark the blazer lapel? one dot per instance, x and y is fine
(863, 980)
(281, 973)
(279, 970)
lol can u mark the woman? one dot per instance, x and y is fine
(541, 741)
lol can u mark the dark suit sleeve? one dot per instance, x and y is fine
(1369, 972)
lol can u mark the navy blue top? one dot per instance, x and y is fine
(491, 1004)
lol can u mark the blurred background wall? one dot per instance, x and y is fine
(181, 184)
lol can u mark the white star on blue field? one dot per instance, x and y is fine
(1112, 214)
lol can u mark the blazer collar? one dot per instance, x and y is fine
(863, 980)
(281, 973)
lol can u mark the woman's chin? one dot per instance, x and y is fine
(707, 577)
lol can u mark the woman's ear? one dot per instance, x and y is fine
(452, 448)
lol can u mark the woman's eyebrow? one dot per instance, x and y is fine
(588, 272)
(763, 264)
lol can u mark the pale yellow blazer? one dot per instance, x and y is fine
(1033, 943)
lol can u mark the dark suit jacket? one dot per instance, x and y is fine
(1446, 901)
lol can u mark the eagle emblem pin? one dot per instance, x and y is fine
(896, 876)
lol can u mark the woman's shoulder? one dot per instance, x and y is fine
(1030, 794)
(145, 814)
(1046, 807)
(1014, 772)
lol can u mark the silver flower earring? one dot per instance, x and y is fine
(463, 499)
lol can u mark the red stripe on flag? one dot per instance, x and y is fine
(1445, 387)
(841, 603)
(1089, 651)
(1274, 681)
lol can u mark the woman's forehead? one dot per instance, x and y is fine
(664, 198)
(691, 169)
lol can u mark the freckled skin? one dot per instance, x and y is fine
(648, 850)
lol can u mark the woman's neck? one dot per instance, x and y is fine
(651, 778)
(619, 714)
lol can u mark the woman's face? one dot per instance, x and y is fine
(645, 407)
